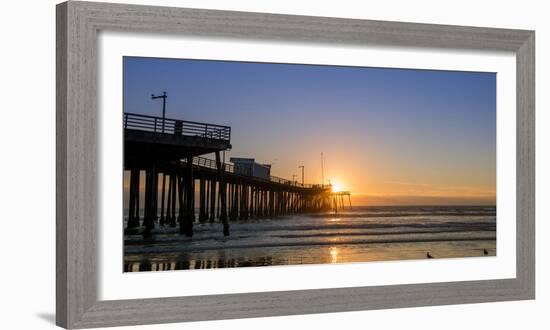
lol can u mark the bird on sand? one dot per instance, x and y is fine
(428, 255)
(485, 252)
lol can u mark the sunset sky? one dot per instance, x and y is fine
(390, 136)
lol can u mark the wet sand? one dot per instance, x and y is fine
(366, 234)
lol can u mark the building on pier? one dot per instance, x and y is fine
(249, 166)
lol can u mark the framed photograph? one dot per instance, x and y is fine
(216, 164)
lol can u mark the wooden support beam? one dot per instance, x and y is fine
(231, 203)
(155, 194)
(202, 199)
(259, 203)
(162, 198)
(148, 219)
(213, 195)
(181, 198)
(189, 205)
(173, 179)
(169, 201)
(137, 194)
(246, 202)
(235, 206)
(252, 201)
(271, 196)
(223, 202)
(207, 197)
(147, 201)
(133, 222)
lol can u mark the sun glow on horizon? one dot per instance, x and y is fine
(337, 187)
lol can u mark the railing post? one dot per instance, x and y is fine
(178, 127)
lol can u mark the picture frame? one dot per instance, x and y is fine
(78, 24)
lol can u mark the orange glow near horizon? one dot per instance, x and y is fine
(393, 185)
(337, 186)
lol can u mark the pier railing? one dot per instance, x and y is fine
(230, 168)
(211, 164)
(176, 126)
(240, 170)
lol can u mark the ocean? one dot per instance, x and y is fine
(367, 233)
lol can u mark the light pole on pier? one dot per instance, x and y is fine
(302, 167)
(163, 97)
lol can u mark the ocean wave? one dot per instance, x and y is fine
(163, 249)
(395, 214)
(378, 225)
(164, 239)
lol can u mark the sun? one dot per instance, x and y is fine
(337, 187)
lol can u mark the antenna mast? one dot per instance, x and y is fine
(163, 97)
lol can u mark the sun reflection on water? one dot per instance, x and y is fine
(333, 254)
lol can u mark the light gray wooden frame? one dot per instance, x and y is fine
(78, 24)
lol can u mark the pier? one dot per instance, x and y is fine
(338, 200)
(169, 152)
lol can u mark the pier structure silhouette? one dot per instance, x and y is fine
(338, 198)
(168, 151)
